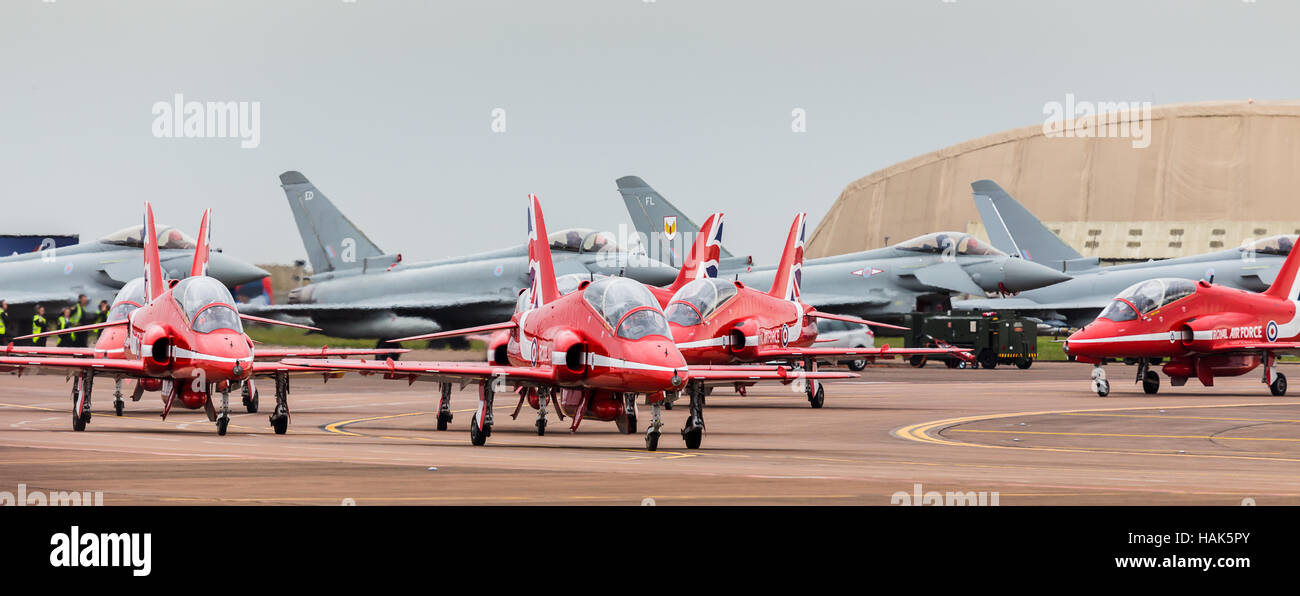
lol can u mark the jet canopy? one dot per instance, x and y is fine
(583, 240)
(1273, 245)
(699, 299)
(629, 308)
(129, 298)
(207, 304)
(1146, 297)
(168, 237)
(950, 243)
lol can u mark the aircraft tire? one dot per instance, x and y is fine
(222, 424)
(79, 422)
(652, 441)
(476, 436)
(117, 407)
(1278, 386)
(1151, 382)
(250, 403)
(541, 427)
(1103, 389)
(818, 399)
(280, 425)
(693, 437)
(442, 421)
(857, 365)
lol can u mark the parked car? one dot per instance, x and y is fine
(846, 335)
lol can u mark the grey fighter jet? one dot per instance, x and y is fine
(55, 276)
(359, 291)
(921, 274)
(1076, 302)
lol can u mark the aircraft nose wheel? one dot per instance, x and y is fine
(1151, 382)
(117, 406)
(478, 437)
(857, 365)
(541, 427)
(1278, 386)
(222, 423)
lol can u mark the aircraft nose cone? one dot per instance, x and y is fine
(1019, 275)
(233, 272)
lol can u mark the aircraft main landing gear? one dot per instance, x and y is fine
(280, 415)
(543, 395)
(444, 406)
(816, 393)
(117, 397)
(81, 387)
(480, 426)
(1275, 380)
(693, 432)
(250, 397)
(626, 422)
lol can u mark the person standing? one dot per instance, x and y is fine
(101, 316)
(4, 322)
(77, 312)
(38, 323)
(63, 322)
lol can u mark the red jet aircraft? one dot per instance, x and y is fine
(588, 352)
(1203, 330)
(112, 344)
(181, 337)
(717, 321)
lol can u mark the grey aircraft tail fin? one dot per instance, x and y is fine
(332, 241)
(666, 228)
(1017, 232)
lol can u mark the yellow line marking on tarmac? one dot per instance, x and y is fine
(1186, 417)
(1029, 432)
(920, 432)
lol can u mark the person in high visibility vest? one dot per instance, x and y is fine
(101, 316)
(38, 323)
(64, 321)
(4, 322)
(78, 311)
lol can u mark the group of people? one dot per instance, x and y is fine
(70, 316)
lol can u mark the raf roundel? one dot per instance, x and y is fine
(1272, 331)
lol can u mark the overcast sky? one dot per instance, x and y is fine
(387, 105)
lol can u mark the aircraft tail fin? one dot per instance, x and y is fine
(789, 271)
(664, 226)
(702, 260)
(153, 276)
(332, 241)
(541, 271)
(1016, 231)
(202, 247)
(1286, 286)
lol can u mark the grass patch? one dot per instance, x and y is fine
(289, 337)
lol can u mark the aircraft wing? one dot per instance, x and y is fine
(12, 350)
(326, 352)
(949, 276)
(826, 300)
(1025, 304)
(1288, 347)
(378, 305)
(796, 353)
(725, 375)
(107, 365)
(445, 372)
